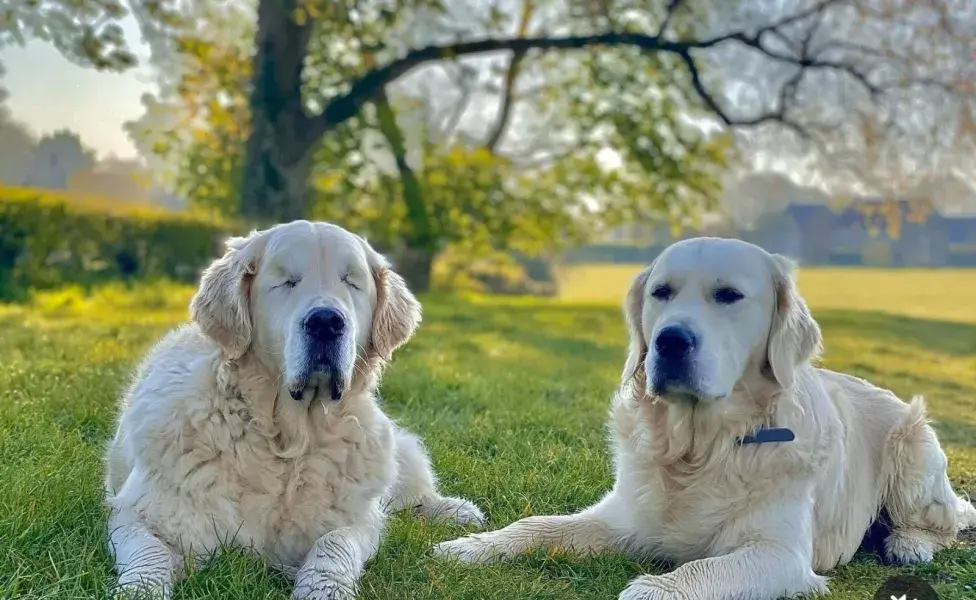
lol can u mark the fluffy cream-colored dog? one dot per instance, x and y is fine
(257, 424)
(736, 459)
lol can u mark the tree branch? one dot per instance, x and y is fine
(444, 130)
(420, 230)
(346, 105)
(511, 76)
(668, 16)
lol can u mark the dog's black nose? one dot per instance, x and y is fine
(324, 323)
(675, 342)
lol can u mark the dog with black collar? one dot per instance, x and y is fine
(736, 459)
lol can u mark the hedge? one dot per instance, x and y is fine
(48, 240)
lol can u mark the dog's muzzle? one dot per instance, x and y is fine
(325, 332)
(674, 354)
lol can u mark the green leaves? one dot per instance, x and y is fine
(200, 128)
(640, 109)
(87, 32)
(543, 188)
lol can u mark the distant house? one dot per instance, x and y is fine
(816, 225)
(802, 231)
(869, 231)
(961, 237)
(903, 232)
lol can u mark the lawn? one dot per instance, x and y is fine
(510, 396)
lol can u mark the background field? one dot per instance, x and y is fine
(510, 395)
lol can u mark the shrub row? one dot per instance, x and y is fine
(48, 240)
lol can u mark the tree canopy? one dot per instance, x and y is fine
(435, 124)
(421, 167)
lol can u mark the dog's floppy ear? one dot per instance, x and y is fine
(794, 336)
(397, 314)
(633, 314)
(221, 306)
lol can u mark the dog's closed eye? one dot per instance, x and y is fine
(348, 280)
(727, 295)
(289, 283)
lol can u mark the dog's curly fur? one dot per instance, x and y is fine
(211, 449)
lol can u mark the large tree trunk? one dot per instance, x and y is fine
(276, 171)
(415, 265)
(276, 184)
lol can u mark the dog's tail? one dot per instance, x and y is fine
(914, 480)
(903, 458)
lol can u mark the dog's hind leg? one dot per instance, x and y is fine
(965, 513)
(926, 513)
(146, 567)
(416, 487)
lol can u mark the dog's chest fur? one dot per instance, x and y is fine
(685, 495)
(222, 470)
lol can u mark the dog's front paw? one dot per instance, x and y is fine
(137, 584)
(317, 585)
(471, 549)
(140, 591)
(652, 587)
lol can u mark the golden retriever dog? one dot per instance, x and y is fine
(257, 424)
(735, 459)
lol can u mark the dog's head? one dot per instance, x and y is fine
(308, 301)
(707, 311)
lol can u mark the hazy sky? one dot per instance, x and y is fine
(48, 92)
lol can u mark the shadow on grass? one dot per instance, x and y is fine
(957, 339)
(910, 383)
(561, 330)
(532, 324)
(955, 432)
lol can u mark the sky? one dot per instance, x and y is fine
(48, 93)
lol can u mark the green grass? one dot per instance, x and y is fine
(510, 396)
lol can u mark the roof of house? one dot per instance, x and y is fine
(806, 211)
